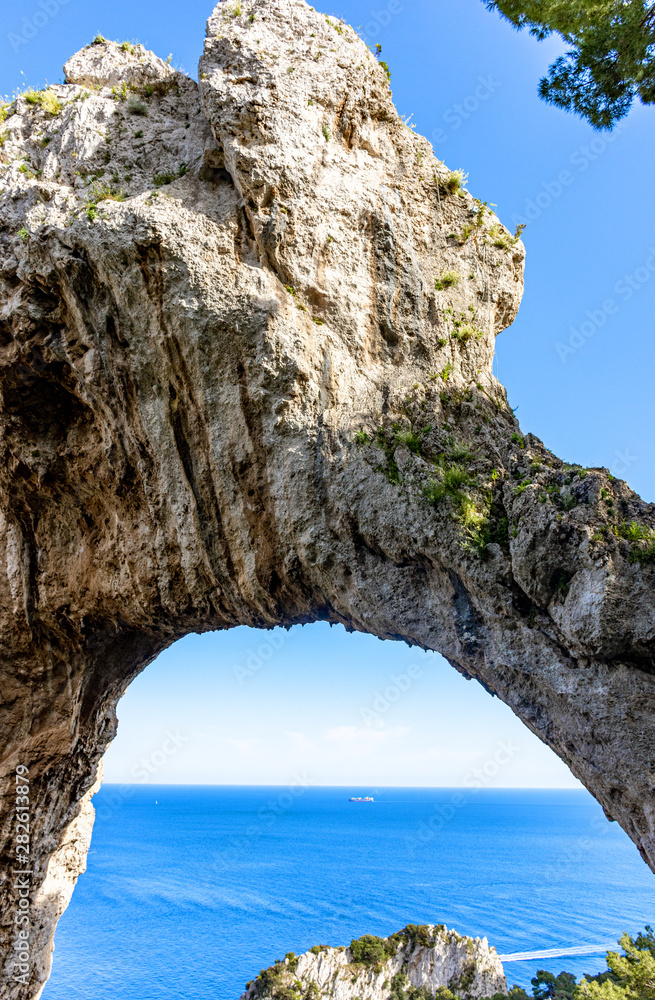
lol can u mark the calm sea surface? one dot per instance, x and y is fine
(190, 891)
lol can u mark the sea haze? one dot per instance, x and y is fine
(191, 890)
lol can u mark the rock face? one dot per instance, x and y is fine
(246, 341)
(427, 957)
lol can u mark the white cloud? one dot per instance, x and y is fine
(243, 746)
(341, 734)
(363, 738)
(296, 739)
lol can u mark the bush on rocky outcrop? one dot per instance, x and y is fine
(370, 950)
(401, 989)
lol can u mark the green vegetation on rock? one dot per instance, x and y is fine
(370, 950)
(401, 989)
(643, 539)
(45, 99)
(456, 181)
(447, 280)
(629, 976)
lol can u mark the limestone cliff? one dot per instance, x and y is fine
(426, 957)
(246, 341)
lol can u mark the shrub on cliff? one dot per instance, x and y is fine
(421, 935)
(402, 990)
(369, 950)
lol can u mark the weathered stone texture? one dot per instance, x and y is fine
(428, 957)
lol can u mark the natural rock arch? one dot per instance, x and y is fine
(258, 391)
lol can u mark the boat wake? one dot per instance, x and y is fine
(581, 949)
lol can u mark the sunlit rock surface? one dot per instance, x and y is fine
(428, 957)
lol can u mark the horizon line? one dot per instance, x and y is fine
(286, 784)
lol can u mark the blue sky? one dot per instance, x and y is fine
(252, 707)
(577, 363)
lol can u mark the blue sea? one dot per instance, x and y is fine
(191, 890)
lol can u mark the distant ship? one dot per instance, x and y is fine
(366, 798)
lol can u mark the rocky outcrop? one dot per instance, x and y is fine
(246, 341)
(429, 958)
